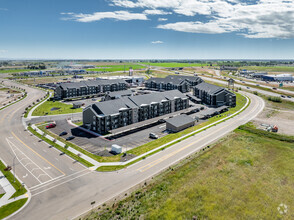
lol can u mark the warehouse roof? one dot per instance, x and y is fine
(180, 120)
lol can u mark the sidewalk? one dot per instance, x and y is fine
(9, 191)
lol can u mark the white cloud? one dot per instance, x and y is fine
(162, 19)
(3, 51)
(155, 12)
(117, 15)
(157, 42)
(261, 19)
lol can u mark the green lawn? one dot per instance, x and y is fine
(20, 190)
(113, 68)
(172, 65)
(244, 176)
(45, 109)
(270, 68)
(10, 208)
(11, 91)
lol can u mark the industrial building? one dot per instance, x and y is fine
(179, 123)
(102, 117)
(88, 88)
(171, 82)
(278, 78)
(214, 96)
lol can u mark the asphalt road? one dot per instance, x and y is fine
(66, 189)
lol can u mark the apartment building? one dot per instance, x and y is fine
(214, 96)
(172, 82)
(87, 88)
(102, 117)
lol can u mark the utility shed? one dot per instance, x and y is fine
(179, 123)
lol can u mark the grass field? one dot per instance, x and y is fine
(10, 208)
(20, 190)
(270, 68)
(11, 91)
(45, 109)
(113, 68)
(14, 71)
(243, 176)
(172, 65)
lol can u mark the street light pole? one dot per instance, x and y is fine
(14, 169)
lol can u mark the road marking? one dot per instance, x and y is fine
(59, 184)
(37, 154)
(47, 168)
(25, 176)
(36, 187)
(44, 150)
(56, 159)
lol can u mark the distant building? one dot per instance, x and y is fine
(102, 117)
(278, 78)
(87, 88)
(117, 94)
(232, 68)
(214, 95)
(171, 82)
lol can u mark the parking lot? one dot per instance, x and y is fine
(137, 137)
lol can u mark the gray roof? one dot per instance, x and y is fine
(109, 107)
(210, 88)
(180, 120)
(90, 83)
(175, 79)
(119, 93)
(112, 106)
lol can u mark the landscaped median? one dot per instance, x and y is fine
(113, 163)
(14, 198)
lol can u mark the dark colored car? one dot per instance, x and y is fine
(289, 96)
(283, 96)
(70, 138)
(52, 125)
(63, 133)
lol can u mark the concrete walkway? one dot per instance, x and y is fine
(9, 191)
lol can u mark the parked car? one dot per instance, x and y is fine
(289, 96)
(257, 84)
(63, 133)
(283, 96)
(70, 138)
(274, 88)
(52, 125)
(153, 136)
(248, 87)
(161, 120)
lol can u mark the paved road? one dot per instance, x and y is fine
(69, 196)
(62, 188)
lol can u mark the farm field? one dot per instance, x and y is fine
(176, 64)
(14, 70)
(113, 68)
(246, 175)
(289, 69)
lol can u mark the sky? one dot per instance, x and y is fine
(146, 29)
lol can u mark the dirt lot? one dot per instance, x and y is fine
(7, 96)
(282, 117)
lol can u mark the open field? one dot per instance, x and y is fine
(61, 108)
(243, 176)
(14, 70)
(288, 69)
(121, 67)
(172, 65)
